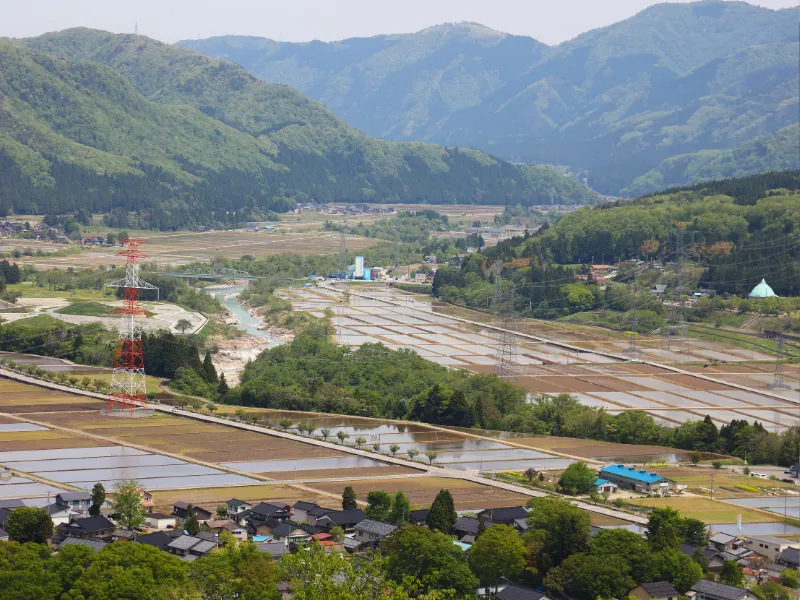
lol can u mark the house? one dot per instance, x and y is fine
(723, 542)
(503, 516)
(789, 558)
(90, 527)
(264, 511)
(604, 486)
(158, 539)
(657, 590)
(289, 532)
(711, 590)
(714, 558)
(180, 511)
(300, 511)
(631, 478)
(220, 525)
(346, 519)
(236, 506)
(767, 545)
(659, 289)
(468, 526)
(273, 549)
(158, 520)
(521, 525)
(517, 592)
(75, 500)
(370, 531)
(327, 542)
(59, 513)
(124, 535)
(190, 547)
(418, 517)
(95, 545)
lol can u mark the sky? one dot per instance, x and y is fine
(302, 20)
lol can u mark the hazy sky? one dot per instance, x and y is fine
(302, 20)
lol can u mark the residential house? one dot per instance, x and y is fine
(95, 545)
(124, 535)
(346, 519)
(768, 546)
(180, 511)
(657, 590)
(370, 531)
(75, 500)
(521, 525)
(89, 528)
(715, 559)
(190, 547)
(789, 558)
(158, 539)
(724, 542)
(659, 289)
(290, 532)
(326, 542)
(604, 486)
(711, 590)
(466, 528)
(219, 525)
(300, 511)
(511, 591)
(419, 517)
(631, 478)
(274, 549)
(262, 512)
(503, 516)
(159, 520)
(59, 513)
(236, 506)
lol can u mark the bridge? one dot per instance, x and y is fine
(209, 273)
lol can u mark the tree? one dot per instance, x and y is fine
(577, 478)
(677, 568)
(209, 372)
(325, 433)
(191, 525)
(342, 436)
(393, 449)
(557, 529)
(222, 386)
(530, 473)
(376, 447)
(499, 552)
(182, 325)
(337, 533)
(665, 528)
(285, 424)
(379, 504)
(222, 511)
(789, 578)
(127, 504)
(695, 532)
(236, 570)
(360, 441)
(589, 577)
(731, 573)
(431, 456)
(628, 545)
(442, 514)
(29, 524)
(430, 558)
(412, 452)
(349, 499)
(98, 498)
(401, 510)
(695, 458)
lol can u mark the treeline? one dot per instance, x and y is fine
(411, 227)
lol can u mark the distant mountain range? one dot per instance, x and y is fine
(619, 104)
(90, 119)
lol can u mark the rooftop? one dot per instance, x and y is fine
(631, 473)
(375, 527)
(719, 590)
(516, 592)
(237, 502)
(96, 545)
(769, 539)
(184, 542)
(91, 524)
(661, 589)
(72, 496)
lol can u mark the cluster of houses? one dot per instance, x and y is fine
(39, 232)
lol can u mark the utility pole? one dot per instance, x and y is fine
(676, 331)
(506, 367)
(343, 262)
(778, 382)
(633, 351)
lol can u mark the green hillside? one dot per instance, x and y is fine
(613, 103)
(102, 121)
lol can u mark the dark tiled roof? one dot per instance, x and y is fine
(181, 504)
(92, 524)
(184, 542)
(12, 503)
(320, 510)
(504, 515)
(284, 529)
(661, 589)
(274, 549)
(267, 508)
(52, 509)
(375, 527)
(346, 517)
(304, 505)
(237, 502)
(515, 592)
(790, 556)
(469, 524)
(719, 590)
(72, 496)
(159, 539)
(94, 544)
(158, 515)
(419, 515)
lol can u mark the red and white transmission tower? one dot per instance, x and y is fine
(128, 388)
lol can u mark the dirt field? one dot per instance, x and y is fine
(708, 511)
(211, 498)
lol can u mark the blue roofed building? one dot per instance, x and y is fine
(604, 486)
(631, 478)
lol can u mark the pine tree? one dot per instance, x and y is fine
(222, 388)
(349, 499)
(191, 525)
(442, 515)
(209, 372)
(98, 498)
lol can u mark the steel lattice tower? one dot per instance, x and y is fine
(506, 367)
(676, 331)
(633, 351)
(778, 382)
(128, 389)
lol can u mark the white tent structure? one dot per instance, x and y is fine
(762, 290)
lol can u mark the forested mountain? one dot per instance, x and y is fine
(615, 102)
(103, 121)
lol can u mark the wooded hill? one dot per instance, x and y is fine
(614, 103)
(97, 120)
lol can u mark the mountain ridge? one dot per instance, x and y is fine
(592, 103)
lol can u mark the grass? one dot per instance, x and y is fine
(722, 479)
(214, 329)
(742, 340)
(87, 308)
(707, 510)
(29, 290)
(151, 382)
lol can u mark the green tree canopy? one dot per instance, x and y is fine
(349, 499)
(29, 524)
(497, 553)
(442, 514)
(577, 478)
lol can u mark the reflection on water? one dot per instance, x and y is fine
(229, 298)
(304, 464)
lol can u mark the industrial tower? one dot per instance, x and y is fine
(779, 382)
(128, 389)
(676, 330)
(506, 366)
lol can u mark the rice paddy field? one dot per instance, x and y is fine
(707, 510)
(587, 362)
